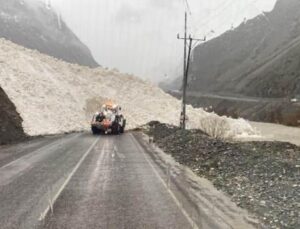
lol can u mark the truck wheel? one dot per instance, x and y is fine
(122, 128)
(95, 131)
(116, 129)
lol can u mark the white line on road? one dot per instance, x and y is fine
(17, 168)
(189, 219)
(45, 212)
(38, 151)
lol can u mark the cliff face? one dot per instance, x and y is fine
(10, 121)
(31, 24)
(260, 58)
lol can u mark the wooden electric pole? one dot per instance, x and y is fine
(186, 64)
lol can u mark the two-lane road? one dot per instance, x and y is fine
(83, 181)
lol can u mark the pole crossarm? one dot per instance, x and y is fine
(190, 37)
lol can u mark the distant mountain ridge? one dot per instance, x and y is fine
(260, 58)
(31, 24)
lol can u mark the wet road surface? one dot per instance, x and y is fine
(85, 181)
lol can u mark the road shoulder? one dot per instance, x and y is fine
(207, 206)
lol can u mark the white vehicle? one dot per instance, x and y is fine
(296, 99)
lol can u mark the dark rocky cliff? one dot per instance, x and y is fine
(260, 58)
(31, 24)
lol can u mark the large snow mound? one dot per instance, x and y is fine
(54, 97)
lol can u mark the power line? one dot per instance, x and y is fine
(187, 5)
(219, 11)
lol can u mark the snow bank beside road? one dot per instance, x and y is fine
(53, 96)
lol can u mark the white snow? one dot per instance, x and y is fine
(53, 96)
(277, 132)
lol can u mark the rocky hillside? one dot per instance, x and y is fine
(32, 24)
(260, 58)
(10, 121)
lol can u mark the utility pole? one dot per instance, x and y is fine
(185, 36)
(186, 65)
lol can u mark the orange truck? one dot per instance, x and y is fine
(109, 120)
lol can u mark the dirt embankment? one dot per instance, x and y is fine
(10, 121)
(262, 177)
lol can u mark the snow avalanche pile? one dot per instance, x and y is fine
(53, 96)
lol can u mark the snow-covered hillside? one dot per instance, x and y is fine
(53, 96)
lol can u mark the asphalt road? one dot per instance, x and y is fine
(234, 97)
(85, 181)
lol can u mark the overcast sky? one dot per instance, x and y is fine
(139, 36)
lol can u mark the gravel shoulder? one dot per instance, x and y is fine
(261, 177)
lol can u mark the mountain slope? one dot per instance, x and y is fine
(260, 58)
(31, 24)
